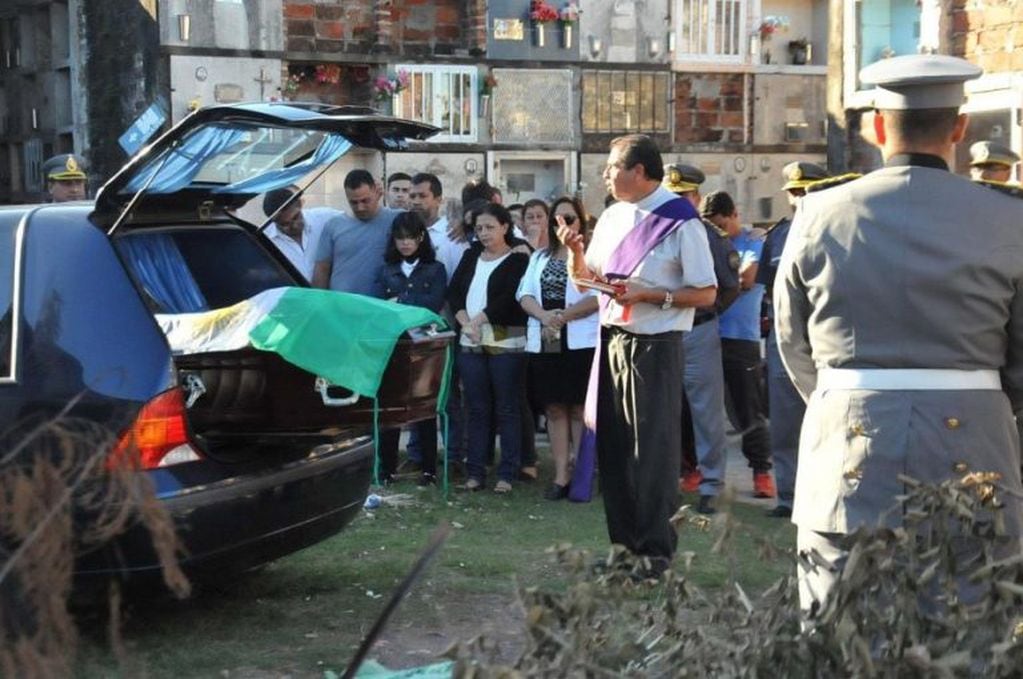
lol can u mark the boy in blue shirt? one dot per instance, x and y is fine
(740, 343)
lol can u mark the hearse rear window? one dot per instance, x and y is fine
(8, 256)
(183, 270)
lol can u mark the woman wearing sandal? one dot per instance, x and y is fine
(561, 333)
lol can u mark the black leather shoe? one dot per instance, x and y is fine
(706, 505)
(556, 492)
(780, 512)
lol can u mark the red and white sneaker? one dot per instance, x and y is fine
(763, 485)
(690, 483)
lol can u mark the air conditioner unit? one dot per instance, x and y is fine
(797, 133)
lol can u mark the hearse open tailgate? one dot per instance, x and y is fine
(249, 390)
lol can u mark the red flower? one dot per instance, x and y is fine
(542, 12)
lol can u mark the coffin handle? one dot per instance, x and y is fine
(322, 385)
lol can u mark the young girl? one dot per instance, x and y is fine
(412, 275)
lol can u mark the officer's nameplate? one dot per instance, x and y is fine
(509, 29)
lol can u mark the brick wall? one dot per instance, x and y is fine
(400, 26)
(475, 26)
(709, 108)
(990, 34)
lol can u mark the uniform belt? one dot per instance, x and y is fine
(703, 317)
(908, 379)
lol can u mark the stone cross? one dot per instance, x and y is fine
(263, 79)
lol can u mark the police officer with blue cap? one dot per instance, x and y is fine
(703, 426)
(899, 316)
(786, 405)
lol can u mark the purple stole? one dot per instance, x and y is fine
(636, 245)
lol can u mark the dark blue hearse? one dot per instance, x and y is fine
(252, 461)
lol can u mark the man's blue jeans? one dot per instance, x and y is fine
(493, 381)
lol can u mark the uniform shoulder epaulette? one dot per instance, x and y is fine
(831, 182)
(1014, 190)
(714, 227)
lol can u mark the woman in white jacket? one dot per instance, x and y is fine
(562, 331)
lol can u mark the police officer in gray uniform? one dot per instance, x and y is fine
(703, 381)
(786, 405)
(899, 314)
(992, 161)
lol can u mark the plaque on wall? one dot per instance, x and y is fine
(521, 182)
(624, 7)
(509, 29)
(228, 93)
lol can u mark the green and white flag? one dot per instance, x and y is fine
(347, 339)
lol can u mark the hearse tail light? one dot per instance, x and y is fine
(159, 435)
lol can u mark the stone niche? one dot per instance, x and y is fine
(205, 81)
(226, 24)
(534, 106)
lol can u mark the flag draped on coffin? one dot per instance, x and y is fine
(345, 338)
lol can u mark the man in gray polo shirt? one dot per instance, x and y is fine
(351, 248)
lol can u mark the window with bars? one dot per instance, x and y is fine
(712, 30)
(444, 96)
(625, 101)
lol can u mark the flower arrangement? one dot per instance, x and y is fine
(772, 24)
(328, 74)
(489, 84)
(542, 12)
(321, 74)
(388, 86)
(569, 14)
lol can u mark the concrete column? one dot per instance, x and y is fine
(384, 25)
(838, 142)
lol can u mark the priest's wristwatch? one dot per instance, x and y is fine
(668, 300)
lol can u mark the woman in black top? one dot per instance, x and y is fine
(493, 338)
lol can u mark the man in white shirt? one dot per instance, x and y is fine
(426, 198)
(653, 247)
(296, 238)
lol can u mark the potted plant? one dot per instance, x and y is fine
(800, 51)
(568, 16)
(540, 13)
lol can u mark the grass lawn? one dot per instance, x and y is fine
(306, 614)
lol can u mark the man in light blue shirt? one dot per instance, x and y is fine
(740, 343)
(351, 248)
